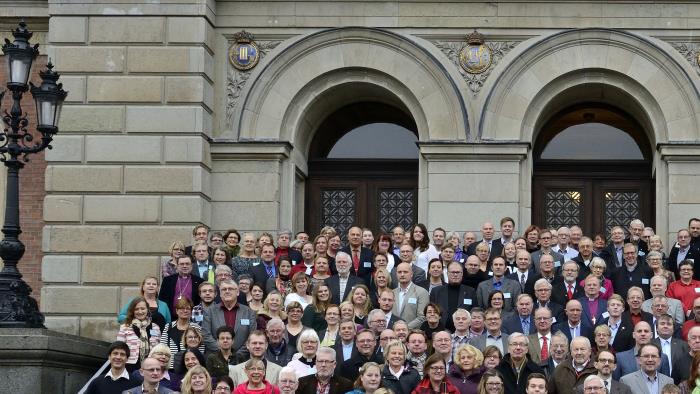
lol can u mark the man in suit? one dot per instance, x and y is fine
(406, 256)
(509, 287)
(524, 274)
(547, 271)
(543, 294)
(633, 273)
(360, 256)
(612, 253)
(574, 326)
(568, 375)
(593, 305)
(202, 267)
(522, 321)
(627, 361)
(675, 349)
(200, 233)
(545, 249)
(493, 335)
(341, 284)
(267, 268)
(257, 346)
(604, 363)
(649, 361)
(635, 297)
(565, 287)
(683, 250)
(562, 247)
(325, 368)
(541, 341)
(181, 284)
(346, 346)
(229, 313)
(453, 295)
(410, 299)
(620, 324)
(636, 228)
(585, 255)
(386, 304)
(365, 352)
(495, 247)
(658, 284)
(152, 374)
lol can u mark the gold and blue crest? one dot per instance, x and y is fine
(476, 56)
(244, 54)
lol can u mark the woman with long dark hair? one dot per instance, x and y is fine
(422, 248)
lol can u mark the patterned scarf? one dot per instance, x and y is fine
(140, 328)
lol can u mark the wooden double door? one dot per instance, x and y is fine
(596, 202)
(378, 194)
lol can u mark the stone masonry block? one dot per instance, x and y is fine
(100, 328)
(170, 60)
(185, 209)
(72, 178)
(69, 150)
(121, 209)
(96, 239)
(86, 299)
(60, 269)
(166, 119)
(181, 179)
(188, 30)
(58, 208)
(75, 85)
(80, 118)
(128, 293)
(226, 187)
(187, 150)
(127, 29)
(194, 89)
(249, 215)
(67, 29)
(89, 59)
(153, 239)
(124, 89)
(66, 325)
(123, 148)
(119, 269)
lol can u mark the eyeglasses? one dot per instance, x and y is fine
(648, 356)
(516, 344)
(325, 362)
(606, 361)
(222, 388)
(592, 389)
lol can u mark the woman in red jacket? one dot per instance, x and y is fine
(434, 382)
(256, 384)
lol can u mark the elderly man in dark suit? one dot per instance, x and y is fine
(683, 250)
(229, 313)
(523, 321)
(453, 295)
(325, 367)
(341, 284)
(360, 256)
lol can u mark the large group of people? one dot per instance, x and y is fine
(416, 312)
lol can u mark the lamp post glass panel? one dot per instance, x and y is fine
(17, 308)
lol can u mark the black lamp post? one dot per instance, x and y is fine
(17, 308)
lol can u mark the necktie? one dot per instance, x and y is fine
(522, 281)
(544, 353)
(606, 384)
(526, 327)
(570, 292)
(355, 260)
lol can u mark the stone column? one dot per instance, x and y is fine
(130, 171)
(677, 189)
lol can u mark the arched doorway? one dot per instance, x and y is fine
(592, 168)
(363, 169)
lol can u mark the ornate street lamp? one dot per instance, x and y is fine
(17, 308)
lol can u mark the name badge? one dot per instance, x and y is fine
(506, 295)
(368, 264)
(697, 289)
(645, 281)
(467, 301)
(461, 260)
(154, 332)
(490, 273)
(602, 290)
(199, 318)
(256, 264)
(554, 319)
(294, 262)
(412, 300)
(691, 260)
(641, 253)
(245, 322)
(557, 263)
(606, 315)
(308, 270)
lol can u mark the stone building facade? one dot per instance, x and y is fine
(162, 132)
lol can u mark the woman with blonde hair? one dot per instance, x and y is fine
(369, 379)
(246, 258)
(359, 297)
(256, 383)
(396, 375)
(169, 264)
(160, 313)
(466, 372)
(191, 339)
(381, 280)
(491, 383)
(271, 308)
(196, 381)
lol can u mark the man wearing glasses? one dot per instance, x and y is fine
(152, 374)
(685, 289)
(229, 313)
(365, 342)
(288, 381)
(324, 381)
(515, 366)
(453, 295)
(605, 365)
(647, 379)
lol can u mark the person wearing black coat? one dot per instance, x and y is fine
(405, 385)
(516, 382)
(170, 289)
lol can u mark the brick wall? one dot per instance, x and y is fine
(31, 179)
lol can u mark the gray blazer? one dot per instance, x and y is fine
(615, 388)
(480, 342)
(636, 382)
(214, 318)
(414, 303)
(535, 257)
(509, 287)
(627, 363)
(675, 309)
